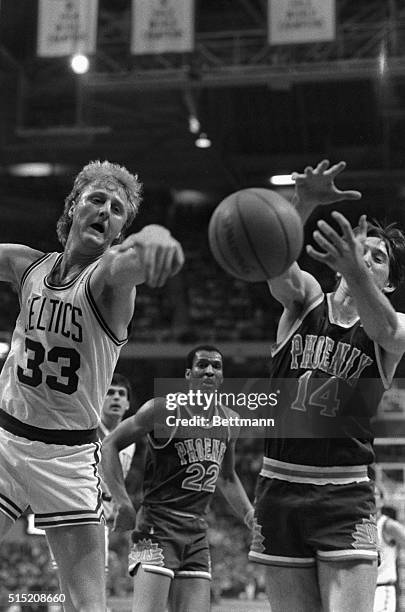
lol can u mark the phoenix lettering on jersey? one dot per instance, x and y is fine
(200, 449)
(322, 353)
(53, 315)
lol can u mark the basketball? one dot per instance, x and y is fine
(255, 234)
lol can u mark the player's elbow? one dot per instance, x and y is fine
(385, 335)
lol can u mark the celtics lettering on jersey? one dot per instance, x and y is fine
(58, 317)
(54, 315)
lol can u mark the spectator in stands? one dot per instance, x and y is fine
(391, 534)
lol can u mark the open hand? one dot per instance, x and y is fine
(342, 253)
(125, 518)
(316, 186)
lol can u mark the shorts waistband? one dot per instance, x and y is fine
(312, 474)
(67, 437)
(163, 509)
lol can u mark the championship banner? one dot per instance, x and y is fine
(162, 26)
(66, 27)
(301, 21)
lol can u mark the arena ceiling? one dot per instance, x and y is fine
(266, 109)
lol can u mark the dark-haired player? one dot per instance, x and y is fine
(170, 558)
(315, 510)
(75, 310)
(116, 403)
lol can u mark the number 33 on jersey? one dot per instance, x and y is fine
(59, 342)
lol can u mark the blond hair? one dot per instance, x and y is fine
(95, 171)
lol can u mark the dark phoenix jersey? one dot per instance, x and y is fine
(329, 381)
(181, 472)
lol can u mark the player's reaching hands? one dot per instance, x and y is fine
(316, 186)
(161, 255)
(343, 253)
(125, 517)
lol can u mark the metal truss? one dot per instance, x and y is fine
(370, 37)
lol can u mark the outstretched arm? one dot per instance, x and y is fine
(133, 429)
(345, 254)
(151, 256)
(314, 187)
(14, 260)
(231, 487)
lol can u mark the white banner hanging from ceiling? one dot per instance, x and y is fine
(162, 26)
(301, 21)
(66, 27)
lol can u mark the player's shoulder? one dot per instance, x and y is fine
(231, 420)
(153, 408)
(229, 413)
(297, 312)
(401, 318)
(15, 259)
(20, 253)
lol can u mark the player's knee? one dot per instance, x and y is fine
(98, 604)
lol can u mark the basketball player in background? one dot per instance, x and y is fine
(391, 534)
(75, 310)
(315, 510)
(170, 558)
(116, 403)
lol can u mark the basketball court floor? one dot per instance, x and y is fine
(226, 605)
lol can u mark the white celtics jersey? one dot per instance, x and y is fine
(62, 354)
(387, 570)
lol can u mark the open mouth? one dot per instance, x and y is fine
(99, 227)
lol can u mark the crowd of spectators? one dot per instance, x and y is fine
(25, 568)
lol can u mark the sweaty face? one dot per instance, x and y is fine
(116, 401)
(101, 212)
(206, 372)
(377, 260)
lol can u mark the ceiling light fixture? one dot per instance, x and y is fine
(31, 169)
(79, 63)
(193, 124)
(203, 142)
(4, 349)
(281, 180)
